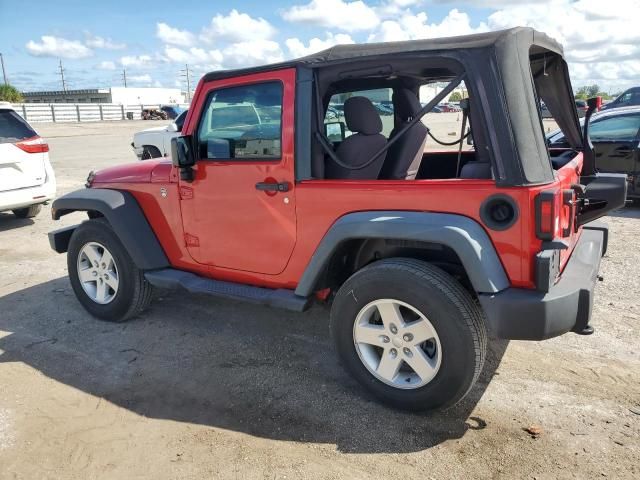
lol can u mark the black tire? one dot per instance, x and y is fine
(455, 315)
(149, 152)
(134, 292)
(28, 212)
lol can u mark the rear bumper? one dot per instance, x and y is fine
(521, 314)
(25, 197)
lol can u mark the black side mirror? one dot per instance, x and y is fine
(589, 166)
(182, 156)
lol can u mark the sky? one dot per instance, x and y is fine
(153, 40)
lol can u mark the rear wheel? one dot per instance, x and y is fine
(103, 276)
(410, 333)
(28, 212)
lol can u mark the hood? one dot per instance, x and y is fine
(154, 129)
(139, 172)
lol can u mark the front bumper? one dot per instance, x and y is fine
(521, 314)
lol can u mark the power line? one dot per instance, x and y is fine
(4, 73)
(187, 73)
(124, 77)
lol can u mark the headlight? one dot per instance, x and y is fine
(90, 178)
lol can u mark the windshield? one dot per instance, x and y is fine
(13, 128)
(180, 120)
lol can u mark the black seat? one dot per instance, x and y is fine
(362, 119)
(405, 155)
(476, 169)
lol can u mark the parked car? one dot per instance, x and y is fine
(628, 98)
(615, 134)
(447, 108)
(273, 214)
(581, 108)
(172, 111)
(156, 142)
(382, 109)
(27, 180)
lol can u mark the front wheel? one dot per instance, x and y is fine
(103, 276)
(410, 333)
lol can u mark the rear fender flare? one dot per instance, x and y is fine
(463, 235)
(125, 216)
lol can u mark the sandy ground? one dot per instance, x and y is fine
(206, 388)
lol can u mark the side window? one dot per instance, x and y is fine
(621, 128)
(381, 99)
(242, 123)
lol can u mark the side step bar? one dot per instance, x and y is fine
(281, 298)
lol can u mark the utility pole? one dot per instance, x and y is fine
(64, 84)
(187, 73)
(124, 77)
(4, 73)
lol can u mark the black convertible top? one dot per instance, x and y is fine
(372, 51)
(507, 73)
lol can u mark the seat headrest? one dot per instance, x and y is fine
(406, 103)
(361, 116)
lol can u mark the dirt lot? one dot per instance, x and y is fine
(206, 388)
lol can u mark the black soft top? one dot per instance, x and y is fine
(372, 51)
(508, 72)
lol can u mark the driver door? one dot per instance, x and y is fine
(239, 211)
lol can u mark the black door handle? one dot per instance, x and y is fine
(273, 187)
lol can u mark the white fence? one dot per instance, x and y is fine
(80, 112)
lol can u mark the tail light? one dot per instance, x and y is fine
(33, 145)
(555, 212)
(548, 208)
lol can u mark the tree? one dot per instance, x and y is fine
(9, 93)
(455, 97)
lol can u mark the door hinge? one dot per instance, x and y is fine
(186, 193)
(191, 240)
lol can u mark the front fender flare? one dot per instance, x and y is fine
(125, 216)
(464, 235)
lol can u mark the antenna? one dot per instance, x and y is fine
(124, 77)
(187, 73)
(64, 84)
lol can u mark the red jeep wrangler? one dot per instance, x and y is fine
(422, 255)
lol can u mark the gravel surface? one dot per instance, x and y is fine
(205, 388)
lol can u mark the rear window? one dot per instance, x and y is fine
(13, 128)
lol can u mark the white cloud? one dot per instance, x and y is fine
(107, 65)
(344, 15)
(51, 46)
(209, 59)
(600, 44)
(146, 79)
(135, 60)
(411, 27)
(252, 52)
(106, 43)
(298, 49)
(237, 27)
(174, 36)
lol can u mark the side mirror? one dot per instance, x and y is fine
(335, 131)
(182, 156)
(172, 127)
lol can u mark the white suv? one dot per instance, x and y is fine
(26, 177)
